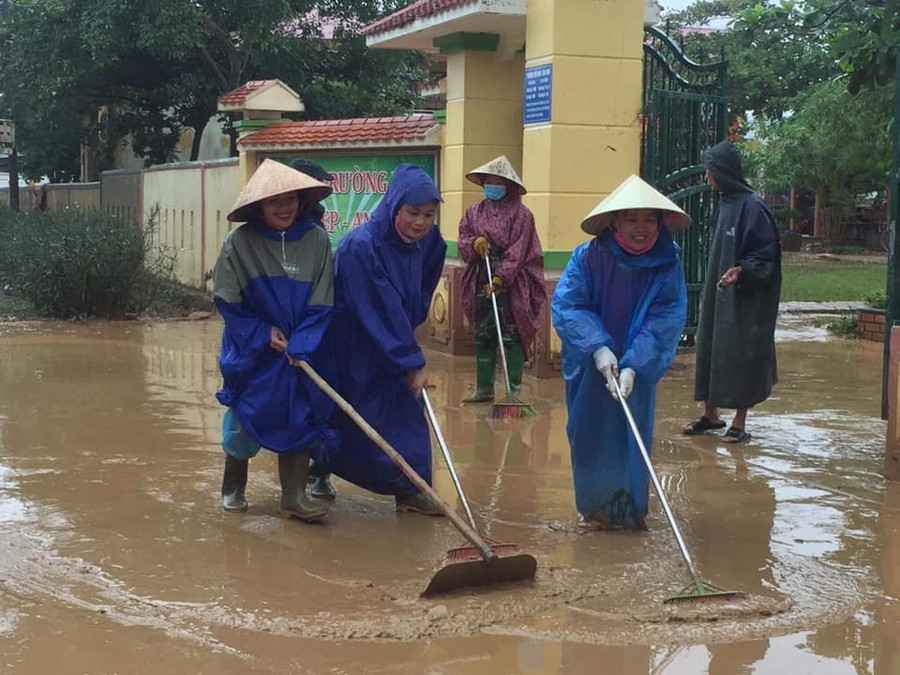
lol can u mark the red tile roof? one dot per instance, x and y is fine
(360, 130)
(239, 95)
(417, 10)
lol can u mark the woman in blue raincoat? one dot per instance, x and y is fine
(385, 273)
(619, 309)
(274, 289)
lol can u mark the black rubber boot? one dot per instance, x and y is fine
(293, 470)
(486, 363)
(319, 484)
(515, 361)
(234, 482)
(418, 502)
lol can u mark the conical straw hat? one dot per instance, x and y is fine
(634, 193)
(273, 178)
(499, 166)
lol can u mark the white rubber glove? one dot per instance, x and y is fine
(626, 382)
(607, 364)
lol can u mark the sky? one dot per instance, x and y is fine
(674, 5)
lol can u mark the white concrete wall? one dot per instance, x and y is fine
(193, 200)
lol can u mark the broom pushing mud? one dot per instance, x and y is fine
(466, 551)
(490, 569)
(510, 407)
(698, 589)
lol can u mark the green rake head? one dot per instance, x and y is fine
(702, 591)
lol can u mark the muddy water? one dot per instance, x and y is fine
(115, 555)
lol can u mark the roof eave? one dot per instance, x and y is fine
(417, 144)
(429, 139)
(505, 17)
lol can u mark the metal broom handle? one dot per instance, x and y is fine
(656, 484)
(447, 458)
(487, 262)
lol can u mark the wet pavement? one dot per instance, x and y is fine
(116, 557)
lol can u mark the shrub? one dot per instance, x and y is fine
(876, 300)
(81, 263)
(846, 326)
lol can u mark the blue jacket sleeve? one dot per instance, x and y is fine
(432, 268)
(307, 336)
(652, 350)
(378, 307)
(574, 317)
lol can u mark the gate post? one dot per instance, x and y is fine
(892, 291)
(581, 104)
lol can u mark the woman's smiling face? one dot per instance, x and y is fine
(637, 226)
(280, 212)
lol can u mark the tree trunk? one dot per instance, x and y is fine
(819, 215)
(793, 225)
(198, 138)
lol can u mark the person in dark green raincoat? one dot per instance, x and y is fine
(736, 366)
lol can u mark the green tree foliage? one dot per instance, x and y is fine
(793, 66)
(863, 36)
(92, 72)
(835, 143)
(768, 65)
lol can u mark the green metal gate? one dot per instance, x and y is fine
(685, 112)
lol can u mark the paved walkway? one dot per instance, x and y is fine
(820, 307)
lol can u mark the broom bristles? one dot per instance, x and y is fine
(469, 552)
(511, 408)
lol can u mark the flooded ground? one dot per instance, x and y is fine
(116, 557)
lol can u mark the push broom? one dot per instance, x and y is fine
(456, 573)
(698, 590)
(464, 551)
(510, 407)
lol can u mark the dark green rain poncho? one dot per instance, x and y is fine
(736, 337)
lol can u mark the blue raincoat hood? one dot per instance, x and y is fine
(409, 185)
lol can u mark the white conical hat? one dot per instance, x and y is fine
(634, 193)
(499, 166)
(273, 178)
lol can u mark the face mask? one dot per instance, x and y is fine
(650, 243)
(495, 192)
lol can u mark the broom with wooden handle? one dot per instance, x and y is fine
(490, 569)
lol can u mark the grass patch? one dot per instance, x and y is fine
(809, 279)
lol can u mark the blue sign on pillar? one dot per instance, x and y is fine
(538, 93)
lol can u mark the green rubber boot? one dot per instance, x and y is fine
(486, 362)
(515, 361)
(293, 472)
(234, 482)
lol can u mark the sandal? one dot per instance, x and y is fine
(701, 426)
(734, 435)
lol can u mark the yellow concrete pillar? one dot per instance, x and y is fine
(246, 165)
(484, 120)
(592, 139)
